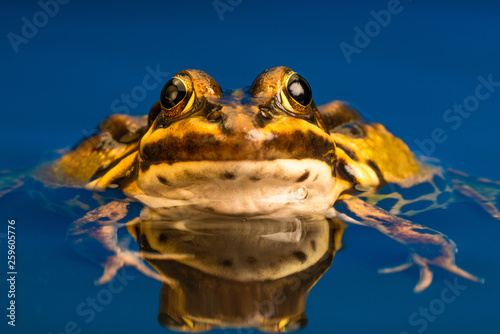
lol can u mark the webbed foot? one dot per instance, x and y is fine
(426, 274)
(426, 246)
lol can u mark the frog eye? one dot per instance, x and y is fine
(172, 93)
(177, 95)
(299, 90)
(295, 94)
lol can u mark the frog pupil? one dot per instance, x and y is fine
(299, 89)
(172, 93)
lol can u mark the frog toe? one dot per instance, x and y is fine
(161, 257)
(425, 278)
(462, 273)
(401, 267)
(425, 273)
(132, 259)
(111, 267)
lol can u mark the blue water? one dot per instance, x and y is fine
(66, 77)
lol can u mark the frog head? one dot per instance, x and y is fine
(244, 151)
(237, 151)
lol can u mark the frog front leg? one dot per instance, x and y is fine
(116, 138)
(426, 246)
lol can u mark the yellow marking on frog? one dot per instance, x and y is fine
(123, 169)
(389, 153)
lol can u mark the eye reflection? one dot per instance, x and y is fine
(299, 89)
(172, 93)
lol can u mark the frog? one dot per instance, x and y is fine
(265, 149)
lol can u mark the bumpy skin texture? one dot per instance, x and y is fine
(257, 151)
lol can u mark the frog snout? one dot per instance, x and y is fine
(236, 121)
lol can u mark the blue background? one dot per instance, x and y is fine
(64, 80)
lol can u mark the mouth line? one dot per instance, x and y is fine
(146, 165)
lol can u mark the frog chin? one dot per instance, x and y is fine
(240, 187)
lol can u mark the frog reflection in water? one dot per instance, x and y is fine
(265, 150)
(223, 271)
